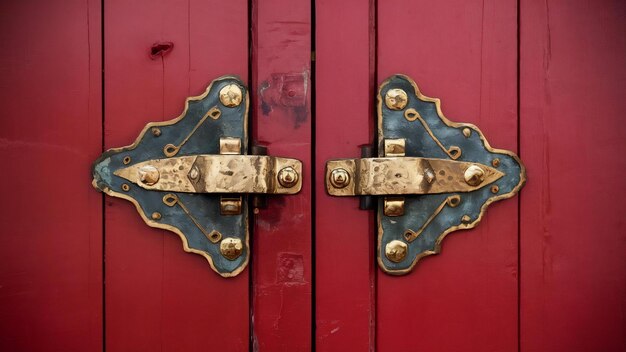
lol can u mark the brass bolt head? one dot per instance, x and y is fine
(149, 175)
(495, 162)
(396, 251)
(339, 178)
(156, 131)
(231, 248)
(474, 175)
(396, 99)
(467, 132)
(288, 177)
(156, 216)
(231, 95)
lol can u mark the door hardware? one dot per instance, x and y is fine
(433, 176)
(191, 175)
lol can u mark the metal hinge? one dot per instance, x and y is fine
(191, 175)
(433, 176)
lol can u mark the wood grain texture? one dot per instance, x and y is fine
(157, 296)
(573, 228)
(345, 244)
(51, 217)
(281, 110)
(465, 53)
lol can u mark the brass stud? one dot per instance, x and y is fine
(230, 205)
(474, 175)
(156, 131)
(396, 251)
(125, 187)
(396, 99)
(231, 248)
(156, 216)
(149, 175)
(231, 95)
(495, 189)
(467, 132)
(288, 177)
(339, 178)
(465, 219)
(495, 162)
(126, 160)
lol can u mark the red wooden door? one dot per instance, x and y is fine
(544, 271)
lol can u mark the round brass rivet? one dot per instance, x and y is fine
(467, 132)
(156, 131)
(495, 162)
(231, 248)
(149, 175)
(396, 99)
(465, 219)
(156, 216)
(194, 173)
(339, 178)
(256, 211)
(287, 177)
(495, 189)
(230, 95)
(126, 160)
(474, 175)
(396, 251)
(125, 187)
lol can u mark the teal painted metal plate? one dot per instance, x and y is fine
(193, 216)
(420, 143)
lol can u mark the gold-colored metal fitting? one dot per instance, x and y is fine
(231, 95)
(396, 251)
(339, 178)
(474, 175)
(288, 177)
(231, 248)
(215, 236)
(230, 146)
(230, 205)
(217, 174)
(409, 175)
(394, 206)
(395, 147)
(396, 99)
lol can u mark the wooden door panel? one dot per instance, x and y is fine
(157, 296)
(50, 218)
(281, 121)
(573, 229)
(464, 299)
(345, 242)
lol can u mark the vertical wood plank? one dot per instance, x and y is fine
(281, 89)
(157, 296)
(51, 217)
(465, 53)
(573, 229)
(345, 244)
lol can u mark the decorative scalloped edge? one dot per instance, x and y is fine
(171, 228)
(449, 123)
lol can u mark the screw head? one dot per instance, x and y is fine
(474, 175)
(231, 248)
(149, 175)
(339, 178)
(396, 251)
(396, 99)
(288, 177)
(231, 96)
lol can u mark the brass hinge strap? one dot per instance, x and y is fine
(217, 174)
(405, 175)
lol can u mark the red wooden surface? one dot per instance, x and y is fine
(464, 299)
(345, 245)
(573, 228)
(50, 217)
(281, 88)
(157, 296)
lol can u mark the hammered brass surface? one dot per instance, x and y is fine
(409, 175)
(216, 174)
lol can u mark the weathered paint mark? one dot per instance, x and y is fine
(287, 91)
(290, 268)
(159, 49)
